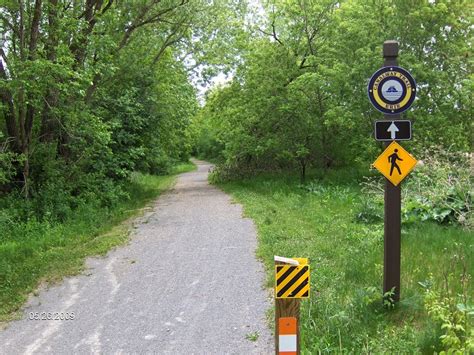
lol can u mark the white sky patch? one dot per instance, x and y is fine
(221, 79)
(256, 16)
(256, 13)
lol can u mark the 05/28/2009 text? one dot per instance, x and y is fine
(51, 315)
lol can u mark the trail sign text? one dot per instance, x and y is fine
(391, 90)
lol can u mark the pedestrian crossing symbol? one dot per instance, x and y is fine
(395, 163)
(292, 281)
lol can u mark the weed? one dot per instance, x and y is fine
(347, 312)
(35, 251)
(452, 310)
(252, 336)
(439, 189)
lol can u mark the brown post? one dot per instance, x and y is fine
(392, 240)
(287, 307)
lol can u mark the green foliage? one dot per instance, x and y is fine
(346, 312)
(204, 139)
(8, 160)
(36, 250)
(298, 99)
(370, 211)
(252, 336)
(454, 311)
(441, 188)
(95, 91)
(438, 189)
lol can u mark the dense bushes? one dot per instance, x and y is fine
(299, 98)
(86, 99)
(36, 249)
(438, 189)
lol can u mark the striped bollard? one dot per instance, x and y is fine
(287, 336)
(291, 284)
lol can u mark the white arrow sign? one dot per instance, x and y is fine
(393, 129)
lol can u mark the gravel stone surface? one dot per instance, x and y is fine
(188, 282)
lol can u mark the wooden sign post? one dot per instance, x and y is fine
(392, 90)
(286, 307)
(291, 284)
(392, 226)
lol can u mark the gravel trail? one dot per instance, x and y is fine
(187, 283)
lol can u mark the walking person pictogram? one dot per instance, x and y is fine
(392, 159)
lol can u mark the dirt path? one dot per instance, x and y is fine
(187, 283)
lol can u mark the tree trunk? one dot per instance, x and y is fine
(9, 112)
(26, 111)
(302, 170)
(48, 130)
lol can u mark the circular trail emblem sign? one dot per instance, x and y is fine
(392, 90)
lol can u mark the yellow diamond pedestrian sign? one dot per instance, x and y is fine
(395, 163)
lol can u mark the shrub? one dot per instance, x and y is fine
(439, 188)
(453, 311)
(231, 171)
(7, 162)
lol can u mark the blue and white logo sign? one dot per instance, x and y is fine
(392, 90)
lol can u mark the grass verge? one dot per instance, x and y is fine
(345, 311)
(48, 252)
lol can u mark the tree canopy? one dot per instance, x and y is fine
(92, 90)
(299, 96)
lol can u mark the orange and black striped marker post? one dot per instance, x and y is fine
(291, 285)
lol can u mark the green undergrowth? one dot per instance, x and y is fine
(39, 251)
(345, 312)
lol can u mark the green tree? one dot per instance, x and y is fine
(301, 95)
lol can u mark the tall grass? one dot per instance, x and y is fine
(345, 312)
(36, 251)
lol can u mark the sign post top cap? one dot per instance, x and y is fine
(390, 48)
(282, 259)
